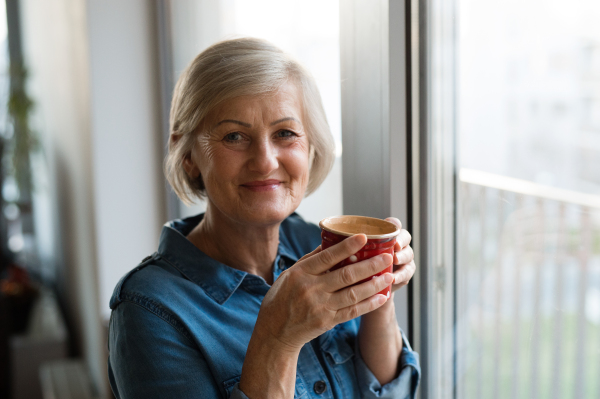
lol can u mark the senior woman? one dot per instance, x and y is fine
(236, 302)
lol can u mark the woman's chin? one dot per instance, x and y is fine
(267, 212)
(269, 216)
(258, 208)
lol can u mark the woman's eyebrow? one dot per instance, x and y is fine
(289, 118)
(233, 121)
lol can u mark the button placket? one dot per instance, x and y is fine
(311, 371)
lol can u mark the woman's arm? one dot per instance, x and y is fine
(149, 358)
(269, 368)
(380, 342)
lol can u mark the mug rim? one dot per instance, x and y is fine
(369, 236)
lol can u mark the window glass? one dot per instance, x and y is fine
(527, 90)
(307, 29)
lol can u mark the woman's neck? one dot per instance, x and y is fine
(248, 248)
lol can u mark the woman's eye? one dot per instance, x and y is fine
(233, 137)
(286, 134)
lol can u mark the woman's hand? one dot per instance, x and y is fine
(304, 302)
(379, 337)
(307, 299)
(404, 264)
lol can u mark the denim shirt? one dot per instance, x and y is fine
(181, 323)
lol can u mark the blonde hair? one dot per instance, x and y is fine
(230, 69)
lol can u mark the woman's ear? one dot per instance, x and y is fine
(190, 167)
(188, 164)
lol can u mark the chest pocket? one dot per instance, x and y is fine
(338, 349)
(299, 392)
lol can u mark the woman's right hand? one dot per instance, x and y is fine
(306, 300)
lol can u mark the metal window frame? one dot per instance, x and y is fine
(437, 195)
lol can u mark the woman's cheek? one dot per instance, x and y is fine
(299, 162)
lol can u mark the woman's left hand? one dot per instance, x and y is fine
(404, 264)
(379, 336)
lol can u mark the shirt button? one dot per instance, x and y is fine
(320, 387)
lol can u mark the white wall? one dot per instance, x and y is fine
(125, 125)
(95, 85)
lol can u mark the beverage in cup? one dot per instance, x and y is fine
(381, 237)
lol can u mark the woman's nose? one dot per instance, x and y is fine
(263, 158)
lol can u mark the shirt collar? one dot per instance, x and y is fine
(218, 280)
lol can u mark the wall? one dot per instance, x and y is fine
(95, 84)
(127, 160)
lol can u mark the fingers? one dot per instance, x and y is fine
(352, 274)
(396, 221)
(357, 293)
(404, 256)
(326, 259)
(366, 306)
(404, 238)
(403, 275)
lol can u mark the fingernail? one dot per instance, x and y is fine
(381, 299)
(388, 278)
(387, 258)
(360, 239)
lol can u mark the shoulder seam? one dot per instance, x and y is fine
(117, 291)
(158, 310)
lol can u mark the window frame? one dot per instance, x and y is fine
(435, 45)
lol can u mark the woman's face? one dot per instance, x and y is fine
(253, 157)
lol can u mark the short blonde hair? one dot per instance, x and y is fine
(230, 69)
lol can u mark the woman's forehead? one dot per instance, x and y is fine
(285, 103)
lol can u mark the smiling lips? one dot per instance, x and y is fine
(262, 185)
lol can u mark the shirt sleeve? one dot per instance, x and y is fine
(150, 358)
(402, 387)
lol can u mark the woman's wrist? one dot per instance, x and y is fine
(269, 368)
(384, 315)
(380, 342)
(382, 325)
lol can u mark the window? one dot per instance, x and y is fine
(513, 199)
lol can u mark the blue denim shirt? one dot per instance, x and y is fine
(181, 323)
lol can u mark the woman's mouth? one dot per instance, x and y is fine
(262, 185)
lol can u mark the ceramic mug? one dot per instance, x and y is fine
(381, 237)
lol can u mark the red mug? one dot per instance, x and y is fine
(381, 237)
